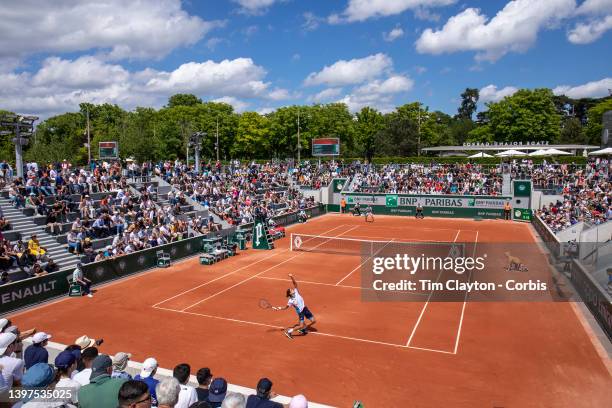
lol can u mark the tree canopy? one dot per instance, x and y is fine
(153, 134)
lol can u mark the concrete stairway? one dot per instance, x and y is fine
(23, 226)
(507, 185)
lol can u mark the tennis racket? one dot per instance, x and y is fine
(264, 304)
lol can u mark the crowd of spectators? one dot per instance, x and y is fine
(586, 194)
(468, 178)
(30, 257)
(235, 193)
(134, 219)
(82, 376)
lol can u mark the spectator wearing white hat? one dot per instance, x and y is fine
(12, 368)
(147, 374)
(36, 352)
(5, 324)
(85, 342)
(120, 361)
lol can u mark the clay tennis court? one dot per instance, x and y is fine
(420, 353)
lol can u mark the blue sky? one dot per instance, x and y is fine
(263, 54)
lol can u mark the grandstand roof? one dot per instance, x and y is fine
(468, 147)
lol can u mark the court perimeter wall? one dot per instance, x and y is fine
(450, 206)
(29, 292)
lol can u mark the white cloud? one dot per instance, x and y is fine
(587, 32)
(124, 29)
(85, 72)
(265, 111)
(490, 93)
(594, 89)
(360, 10)
(311, 21)
(598, 20)
(351, 72)
(422, 13)
(378, 94)
(60, 85)
(279, 94)
(239, 106)
(393, 35)
(595, 7)
(239, 77)
(255, 7)
(391, 85)
(515, 28)
(325, 95)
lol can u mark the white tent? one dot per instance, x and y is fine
(537, 153)
(510, 153)
(603, 152)
(555, 152)
(481, 154)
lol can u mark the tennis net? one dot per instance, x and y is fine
(368, 248)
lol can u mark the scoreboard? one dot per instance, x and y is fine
(326, 147)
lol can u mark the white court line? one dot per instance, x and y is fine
(428, 349)
(231, 273)
(420, 228)
(317, 333)
(416, 325)
(464, 301)
(361, 264)
(256, 275)
(406, 240)
(335, 285)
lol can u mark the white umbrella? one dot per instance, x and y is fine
(555, 152)
(481, 154)
(603, 152)
(540, 152)
(510, 152)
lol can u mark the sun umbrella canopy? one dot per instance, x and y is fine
(603, 152)
(481, 154)
(537, 153)
(555, 152)
(510, 152)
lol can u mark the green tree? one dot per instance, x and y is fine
(57, 138)
(469, 103)
(528, 115)
(330, 120)
(183, 100)
(7, 149)
(370, 123)
(594, 125)
(252, 136)
(572, 132)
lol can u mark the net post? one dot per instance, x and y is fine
(291, 242)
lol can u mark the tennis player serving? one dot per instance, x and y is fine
(297, 301)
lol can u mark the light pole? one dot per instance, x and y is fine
(195, 141)
(22, 128)
(217, 144)
(299, 146)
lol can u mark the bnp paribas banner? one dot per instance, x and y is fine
(433, 205)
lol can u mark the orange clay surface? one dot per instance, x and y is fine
(385, 354)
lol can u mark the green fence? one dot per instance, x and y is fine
(453, 206)
(31, 291)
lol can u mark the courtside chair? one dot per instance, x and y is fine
(74, 289)
(163, 259)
